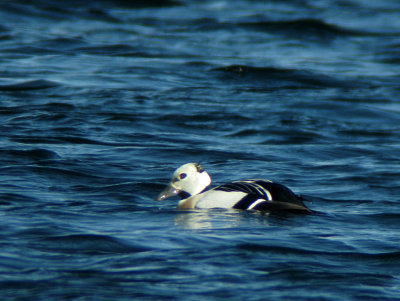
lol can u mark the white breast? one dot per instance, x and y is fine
(219, 199)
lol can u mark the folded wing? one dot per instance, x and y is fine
(263, 195)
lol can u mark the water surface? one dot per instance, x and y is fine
(100, 102)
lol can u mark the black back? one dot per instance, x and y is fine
(276, 196)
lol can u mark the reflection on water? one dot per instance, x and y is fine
(217, 218)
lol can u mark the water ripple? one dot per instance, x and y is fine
(101, 101)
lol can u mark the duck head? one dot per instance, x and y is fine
(189, 179)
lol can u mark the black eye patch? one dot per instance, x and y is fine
(182, 176)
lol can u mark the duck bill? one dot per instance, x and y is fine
(169, 191)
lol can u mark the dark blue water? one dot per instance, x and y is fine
(101, 101)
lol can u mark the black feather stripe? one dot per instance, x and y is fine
(249, 187)
(282, 207)
(261, 189)
(280, 193)
(234, 186)
(243, 186)
(246, 202)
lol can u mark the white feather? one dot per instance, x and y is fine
(255, 203)
(219, 199)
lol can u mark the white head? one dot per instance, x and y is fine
(189, 179)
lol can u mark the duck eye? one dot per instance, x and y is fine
(182, 176)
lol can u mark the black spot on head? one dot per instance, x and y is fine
(199, 167)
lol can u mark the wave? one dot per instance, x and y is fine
(88, 244)
(253, 247)
(37, 84)
(282, 76)
(36, 154)
(304, 28)
(8, 199)
(70, 139)
(278, 136)
(97, 10)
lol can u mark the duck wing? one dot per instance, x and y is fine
(265, 195)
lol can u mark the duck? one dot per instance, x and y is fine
(190, 182)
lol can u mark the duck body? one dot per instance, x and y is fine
(191, 180)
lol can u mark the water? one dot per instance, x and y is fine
(101, 101)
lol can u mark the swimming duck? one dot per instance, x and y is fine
(189, 182)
